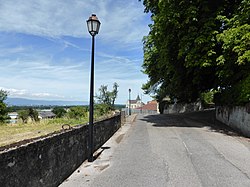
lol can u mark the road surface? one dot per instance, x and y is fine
(171, 150)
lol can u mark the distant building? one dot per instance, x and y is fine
(150, 106)
(135, 103)
(13, 117)
(46, 114)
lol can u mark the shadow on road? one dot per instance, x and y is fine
(194, 119)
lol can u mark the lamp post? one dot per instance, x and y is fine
(141, 104)
(129, 100)
(93, 27)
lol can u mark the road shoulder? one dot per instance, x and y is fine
(85, 174)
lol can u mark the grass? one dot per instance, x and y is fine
(12, 133)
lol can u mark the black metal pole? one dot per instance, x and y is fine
(91, 105)
(129, 104)
(141, 103)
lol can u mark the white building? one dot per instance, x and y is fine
(13, 117)
(135, 103)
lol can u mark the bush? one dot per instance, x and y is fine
(59, 111)
(3, 107)
(23, 115)
(236, 95)
(102, 109)
(77, 112)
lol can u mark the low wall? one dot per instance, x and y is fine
(139, 111)
(50, 160)
(236, 117)
(181, 108)
(123, 117)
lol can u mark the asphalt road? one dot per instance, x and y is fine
(175, 150)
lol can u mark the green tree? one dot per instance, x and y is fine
(113, 94)
(196, 46)
(107, 98)
(59, 111)
(101, 109)
(3, 107)
(234, 62)
(77, 112)
(179, 51)
(33, 114)
(23, 115)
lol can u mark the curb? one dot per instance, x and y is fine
(131, 119)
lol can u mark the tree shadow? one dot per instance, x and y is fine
(192, 120)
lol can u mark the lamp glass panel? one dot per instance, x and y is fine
(98, 27)
(95, 24)
(89, 26)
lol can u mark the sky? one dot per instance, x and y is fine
(45, 48)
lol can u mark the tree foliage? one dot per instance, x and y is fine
(234, 61)
(196, 46)
(25, 114)
(33, 114)
(107, 98)
(101, 109)
(3, 107)
(59, 111)
(77, 112)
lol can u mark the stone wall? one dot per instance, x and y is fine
(50, 160)
(236, 117)
(123, 117)
(182, 107)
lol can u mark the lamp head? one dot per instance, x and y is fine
(93, 25)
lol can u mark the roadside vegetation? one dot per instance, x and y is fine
(3, 107)
(29, 125)
(198, 48)
(11, 133)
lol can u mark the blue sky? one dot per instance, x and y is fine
(45, 48)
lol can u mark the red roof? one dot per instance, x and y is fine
(151, 105)
(133, 101)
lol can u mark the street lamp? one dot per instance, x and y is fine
(93, 27)
(141, 104)
(129, 100)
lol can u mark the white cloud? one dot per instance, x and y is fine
(58, 67)
(10, 51)
(39, 77)
(47, 95)
(121, 21)
(12, 92)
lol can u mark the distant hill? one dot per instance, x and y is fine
(31, 102)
